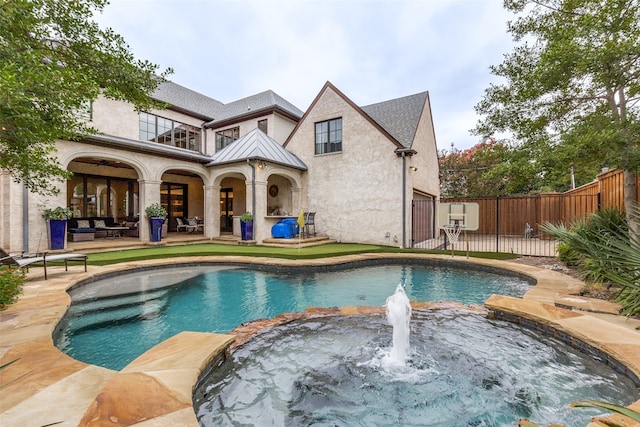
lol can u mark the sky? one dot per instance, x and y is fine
(372, 50)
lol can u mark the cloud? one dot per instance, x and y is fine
(372, 50)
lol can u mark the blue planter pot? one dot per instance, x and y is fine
(57, 232)
(246, 230)
(155, 229)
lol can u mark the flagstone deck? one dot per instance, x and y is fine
(45, 386)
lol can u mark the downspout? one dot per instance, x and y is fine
(203, 149)
(403, 152)
(253, 194)
(404, 199)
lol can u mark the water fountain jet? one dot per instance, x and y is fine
(398, 313)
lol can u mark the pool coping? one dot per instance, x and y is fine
(156, 388)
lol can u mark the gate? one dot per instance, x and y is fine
(423, 220)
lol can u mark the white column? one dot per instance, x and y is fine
(211, 211)
(259, 221)
(149, 194)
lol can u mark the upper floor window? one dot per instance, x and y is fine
(329, 136)
(262, 125)
(226, 137)
(169, 132)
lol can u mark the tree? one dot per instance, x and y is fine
(571, 87)
(486, 169)
(54, 61)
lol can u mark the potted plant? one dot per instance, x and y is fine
(246, 226)
(156, 214)
(57, 229)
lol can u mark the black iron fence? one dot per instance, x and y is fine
(506, 224)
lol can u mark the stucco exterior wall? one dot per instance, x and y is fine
(282, 128)
(356, 193)
(426, 178)
(278, 127)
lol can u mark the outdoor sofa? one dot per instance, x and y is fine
(84, 229)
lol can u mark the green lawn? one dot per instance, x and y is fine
(312, 252)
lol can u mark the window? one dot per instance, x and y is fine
(226, 137)
(169, 132)
(262, 125)
(92, 196)
(329, 136)
(147, 127)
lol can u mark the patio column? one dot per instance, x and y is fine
(212, 211)
(149, 194)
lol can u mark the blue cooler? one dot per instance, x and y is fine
(279, 230)
(292, 223)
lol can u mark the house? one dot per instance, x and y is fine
(361, 169)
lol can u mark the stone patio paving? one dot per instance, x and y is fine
(45, 386)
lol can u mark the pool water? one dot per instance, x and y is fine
(463, 370)
(113, 321)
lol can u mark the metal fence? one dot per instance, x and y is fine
(506, 224)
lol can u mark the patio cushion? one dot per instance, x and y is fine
(82, 230)
(99, 223)
(83, 223)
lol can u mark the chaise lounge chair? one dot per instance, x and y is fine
(24, 261)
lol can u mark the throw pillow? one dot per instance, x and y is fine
(83, 223)
(99, 223)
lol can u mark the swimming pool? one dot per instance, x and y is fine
(114, 320)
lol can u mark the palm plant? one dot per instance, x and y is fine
(608, 251)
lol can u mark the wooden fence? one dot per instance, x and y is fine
(521, 217)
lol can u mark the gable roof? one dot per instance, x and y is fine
(400, 117)
(255, 105)
(187, 101)
(256, 145)
(329, 85)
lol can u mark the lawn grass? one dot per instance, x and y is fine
(311, 252)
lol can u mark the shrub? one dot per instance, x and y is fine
(155, 210)
(57, 213)
(11, 281)
(606, 252)
(569, 256)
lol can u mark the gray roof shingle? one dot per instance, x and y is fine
(256, 145)
(187, 100)
(261, 101)
(400, 116)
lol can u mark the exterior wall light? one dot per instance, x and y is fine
(413, 168)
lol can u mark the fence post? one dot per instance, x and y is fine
(497, 223)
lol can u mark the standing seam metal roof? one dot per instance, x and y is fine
(256, 145)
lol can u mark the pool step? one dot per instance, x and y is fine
(116, 310)
(87, 306)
